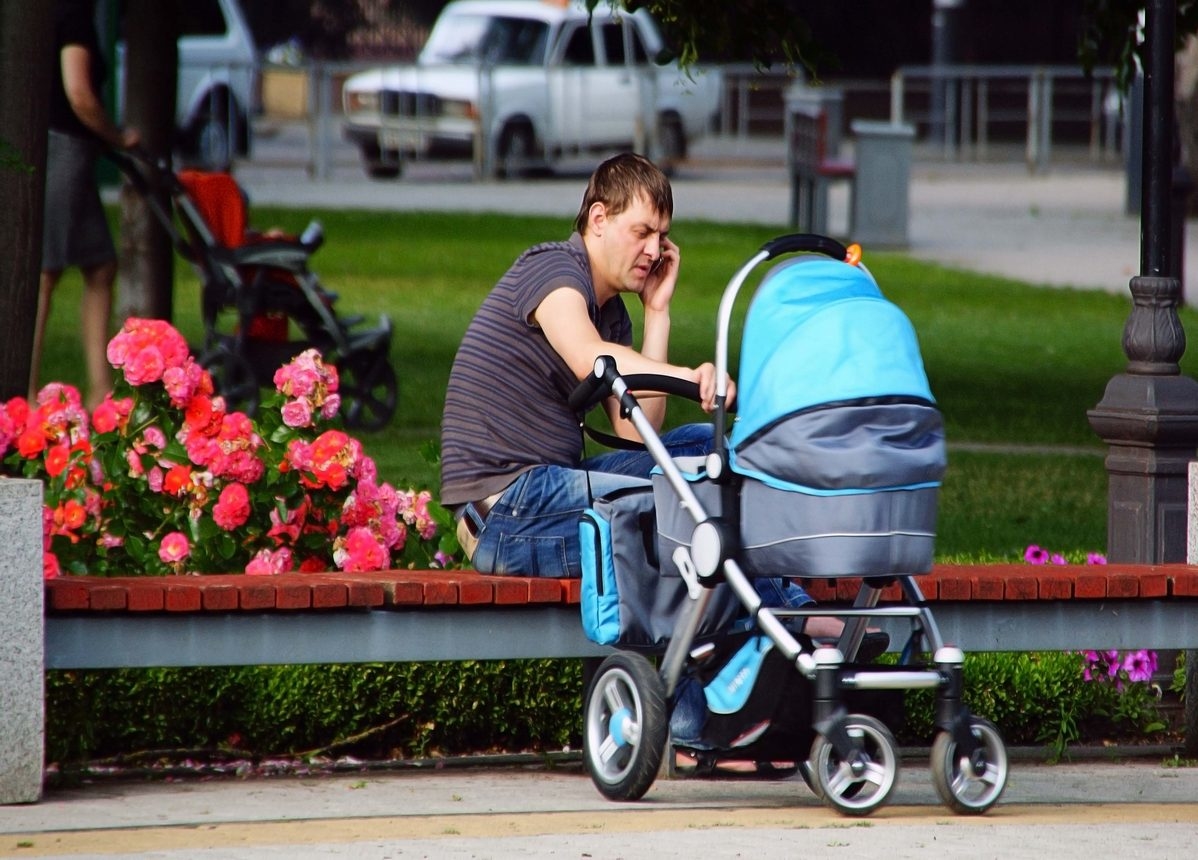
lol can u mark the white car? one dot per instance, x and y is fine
(517, 84)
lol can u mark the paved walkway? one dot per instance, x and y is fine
(1130, 809)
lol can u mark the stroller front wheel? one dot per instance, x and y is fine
(859, 779)
(625, 727)
(969, 783)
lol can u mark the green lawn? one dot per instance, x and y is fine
(1010, 363)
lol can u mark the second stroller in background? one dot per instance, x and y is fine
(260, 301)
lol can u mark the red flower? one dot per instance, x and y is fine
(57, 459)
(31, 443)
(177, 481)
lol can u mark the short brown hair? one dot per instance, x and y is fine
(619, 181)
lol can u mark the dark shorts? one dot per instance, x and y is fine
(75, 231)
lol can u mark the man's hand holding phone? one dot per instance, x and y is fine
(659, 283)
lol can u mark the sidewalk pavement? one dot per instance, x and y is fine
(1132, 808)
(1066, 227)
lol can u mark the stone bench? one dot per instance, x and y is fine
(812, 168)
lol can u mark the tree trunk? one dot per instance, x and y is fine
(151, 63)
(26, 44)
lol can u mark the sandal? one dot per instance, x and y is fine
(703, 764)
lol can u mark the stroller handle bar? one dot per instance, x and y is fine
(811, 243)
(598, 384)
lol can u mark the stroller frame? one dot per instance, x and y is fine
(267, 276)
(853, 763)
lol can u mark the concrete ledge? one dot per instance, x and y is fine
(22, 689)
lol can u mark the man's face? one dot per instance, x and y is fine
(626, 247)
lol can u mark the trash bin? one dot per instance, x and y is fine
(881, 193)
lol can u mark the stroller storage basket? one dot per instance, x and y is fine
(626, 600)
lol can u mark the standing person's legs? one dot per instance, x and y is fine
(45, 295)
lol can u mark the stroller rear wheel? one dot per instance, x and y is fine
(970, 783)
(858, 783)
(625, 727)
(369, 392)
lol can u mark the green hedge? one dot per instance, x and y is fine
(405, 711)
(378, 711)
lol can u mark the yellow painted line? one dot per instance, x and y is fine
(341, 831)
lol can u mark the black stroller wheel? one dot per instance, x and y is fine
(369, 393)
(232, 377)
(625, 727)
(969, 784)
(863, 781)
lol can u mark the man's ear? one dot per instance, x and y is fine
(597, 217)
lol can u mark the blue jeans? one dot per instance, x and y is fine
(533, 529)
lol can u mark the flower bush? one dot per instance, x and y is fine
(1129, 673)
(161, 478)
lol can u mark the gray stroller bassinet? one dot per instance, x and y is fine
(831, 469)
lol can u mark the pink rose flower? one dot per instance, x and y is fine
(232, 509)
(174, 548)
(297, 413)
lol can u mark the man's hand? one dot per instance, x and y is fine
(662, 278)
(705, 378)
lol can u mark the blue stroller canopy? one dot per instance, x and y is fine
(820, 331)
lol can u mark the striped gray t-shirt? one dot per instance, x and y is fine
(505, 408)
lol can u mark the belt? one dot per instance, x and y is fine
(468, 528)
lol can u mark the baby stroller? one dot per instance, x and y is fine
(831, 470)
(256, 288)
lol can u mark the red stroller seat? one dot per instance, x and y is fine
(222, 204)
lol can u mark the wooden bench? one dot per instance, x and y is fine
(812, 168)
(400, 616)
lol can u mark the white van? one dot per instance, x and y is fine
(218, 82)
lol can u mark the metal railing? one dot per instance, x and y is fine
(980, 111)
(964, 103)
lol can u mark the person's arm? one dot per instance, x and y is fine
(85, 102)
(562, 316)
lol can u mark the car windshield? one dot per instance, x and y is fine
(487, 39)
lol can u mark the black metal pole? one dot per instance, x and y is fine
(1149, 413)
(1155, 222)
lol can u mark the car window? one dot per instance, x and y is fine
(486, 38)
(639, 55)
(516, 41)
(580, 50)
(613, 43)
(201, 18)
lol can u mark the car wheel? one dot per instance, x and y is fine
(213, 140)
(671, 143)
(516, 148)
(380, 165)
